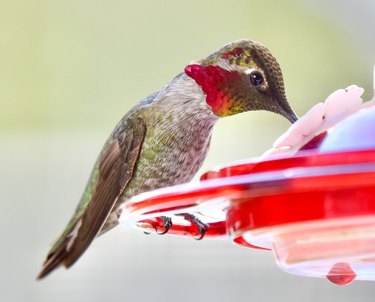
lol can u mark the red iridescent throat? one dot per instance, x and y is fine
(215, 82)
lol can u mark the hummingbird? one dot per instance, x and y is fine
(164, 139)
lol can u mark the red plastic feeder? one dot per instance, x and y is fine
(314, 210)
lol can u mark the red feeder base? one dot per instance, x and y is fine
(315, 211)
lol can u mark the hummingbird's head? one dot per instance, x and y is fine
(242, 76)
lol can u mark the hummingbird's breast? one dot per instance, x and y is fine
(179, 126)
(174, 149)
(172, 152)
(178, 132)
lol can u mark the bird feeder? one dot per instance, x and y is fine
(313, 206)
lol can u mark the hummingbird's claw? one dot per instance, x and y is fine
(167, 224)
(202, 227)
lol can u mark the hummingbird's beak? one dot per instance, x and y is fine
(291, 116)
(286, 111)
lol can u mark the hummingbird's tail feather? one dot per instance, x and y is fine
(111, 175)
(59, 252)
(53, 261)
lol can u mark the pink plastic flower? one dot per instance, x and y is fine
(339, 105)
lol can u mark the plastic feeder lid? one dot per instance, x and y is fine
(315, 210)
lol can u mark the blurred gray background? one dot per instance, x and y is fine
(70, 69)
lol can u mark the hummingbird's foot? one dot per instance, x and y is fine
(201, 226)
(166, 225)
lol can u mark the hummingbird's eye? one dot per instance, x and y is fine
(256, 78)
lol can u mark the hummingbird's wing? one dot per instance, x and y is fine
(114, 171)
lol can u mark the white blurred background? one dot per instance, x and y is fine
(70, 69)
